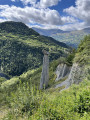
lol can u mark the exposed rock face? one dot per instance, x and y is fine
(62, 71)
(77, 74)
(45, 70)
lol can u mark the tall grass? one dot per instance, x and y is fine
(30, 103)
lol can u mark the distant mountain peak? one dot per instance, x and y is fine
(17, 28)
(88, 28)
(48, 32)
(71, 38)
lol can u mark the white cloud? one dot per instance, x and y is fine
(40, 15)
(75, 26)
(2, 7)
(28, 1)
(31, 15)
(25, 2)
(13, 0)
(47, 3)
(67, 27)
(81, 11)
(68, 19)
(2, 20)
(40, 4)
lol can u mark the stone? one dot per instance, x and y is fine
(77, 74)
(62, 71)
(45, 70)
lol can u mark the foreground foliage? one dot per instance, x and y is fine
(31, 104)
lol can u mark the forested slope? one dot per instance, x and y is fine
(21, 48)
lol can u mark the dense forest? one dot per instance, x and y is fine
(21, 48)
(17, 28)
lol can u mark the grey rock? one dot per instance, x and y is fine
(62, 71)
(76, 75)
(64, 83)
(45, 70)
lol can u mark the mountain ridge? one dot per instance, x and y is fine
(17, 28)
(71, 38)
(48, 32)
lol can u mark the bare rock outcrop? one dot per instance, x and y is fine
(45, 70)
(62, 71)
(77, 74)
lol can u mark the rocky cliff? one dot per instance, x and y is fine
(75, 74)
(62, 71)
(81, 66)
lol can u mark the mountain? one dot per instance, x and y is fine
(71, 38)
(21, 48)
(20, 97)
(17, 28)
(48, 32)
(87, 30)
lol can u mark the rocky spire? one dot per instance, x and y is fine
(45, 70)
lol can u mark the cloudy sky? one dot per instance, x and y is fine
(47, 14)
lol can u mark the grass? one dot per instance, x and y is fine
(70, 104)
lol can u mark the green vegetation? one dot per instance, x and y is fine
(72, 38)
(2, 80)
(70, 57)
(33, 76)
(83, 52)
(21, 98)
(28, 103)
(20, 51)
(16, 28)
